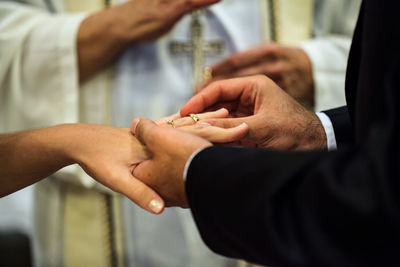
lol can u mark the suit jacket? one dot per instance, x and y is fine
(317, 208)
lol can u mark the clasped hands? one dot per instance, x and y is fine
(147, 162)
(110, 154)
(260, 115)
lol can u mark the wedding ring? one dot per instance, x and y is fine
(171, 122)
(194, 117)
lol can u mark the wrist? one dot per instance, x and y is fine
(63, 143)
(69, 142)
(120, 24)
(99, 42)
(316, 133)
(104, 26)
(124, 24)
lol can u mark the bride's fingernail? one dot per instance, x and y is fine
(222, 109)
(205, 124)
(242, 125)
(133, 168)
(156, 205)
(135, 122)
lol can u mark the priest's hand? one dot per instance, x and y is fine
(274, 118)
(289, 67)
(170, 149)
(105, 34)
(147, 20)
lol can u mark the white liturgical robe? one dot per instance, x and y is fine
(40, 87)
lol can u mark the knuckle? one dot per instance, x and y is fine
(139, 127)
(235, 62)
(260, 79)
(187, 4)
(274, 47)
(266, 49)
(201, 128)
(280, 67)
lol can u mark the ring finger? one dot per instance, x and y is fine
(195, 118)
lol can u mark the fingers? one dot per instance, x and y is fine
(190, 5)
(201, 3)
(146, 131)
(244, 59)
(250, 70)
(217, 134)
(251, 62)
(220, 91)
(255, 125)
(162, 121)
(141, 194)
(230, 106)
(188, 120)
(203, 85)
(227, 123)
(278, 69)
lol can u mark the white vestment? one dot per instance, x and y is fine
(39, 87)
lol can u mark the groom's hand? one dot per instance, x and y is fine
(170, 149)
(274, 118)
(202, 128)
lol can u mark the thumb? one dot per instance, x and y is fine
(252, 122)
(146, 131)
(227, 123)
(141, 194)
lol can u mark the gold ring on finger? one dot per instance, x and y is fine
(171, 122)
(194, 117)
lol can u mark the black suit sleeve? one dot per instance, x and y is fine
(337, 208)
(300, 209)
(342, 126)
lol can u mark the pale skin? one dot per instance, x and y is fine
(289, 67)
(104, 35)
(108, 154)
(275, 120)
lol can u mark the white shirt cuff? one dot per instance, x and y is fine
(329, 131)
(185, 170)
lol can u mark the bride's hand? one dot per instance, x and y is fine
(109, 154)
(195, 124)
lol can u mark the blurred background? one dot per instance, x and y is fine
(62, 63)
